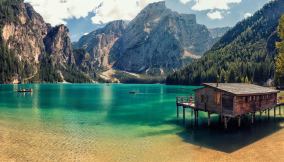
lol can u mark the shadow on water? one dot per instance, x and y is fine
(232, 139)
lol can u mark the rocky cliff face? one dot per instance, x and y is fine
(33, 43)
(159, 41)
(58, 44)
(24, 36)
(217, 33)
(98, 44)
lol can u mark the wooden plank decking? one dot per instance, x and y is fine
(188, 103)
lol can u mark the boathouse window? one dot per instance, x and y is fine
(202, 98)
(227, 102)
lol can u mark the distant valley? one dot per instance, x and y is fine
(158, 45)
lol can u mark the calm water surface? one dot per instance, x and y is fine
(68, 106)
(99, 122)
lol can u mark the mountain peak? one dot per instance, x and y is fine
(159, 40)
(115, 25)
(160, 4)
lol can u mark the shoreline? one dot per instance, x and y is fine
(24, 145)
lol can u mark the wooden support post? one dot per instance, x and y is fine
(192, 116)
(274, 112)
(279, 109)
(252, 118)
(183, 113)
(177, 111)
(268, 113)
(239, 121)
(225, 123)
(197, 115)
(209, 120)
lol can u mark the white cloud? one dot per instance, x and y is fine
(215, 15)
(201, 5)
(185, 1)
(57, 11)
(119, 9)
(247, 15)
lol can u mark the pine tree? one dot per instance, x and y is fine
(279, 65)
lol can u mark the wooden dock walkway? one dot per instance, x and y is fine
(188, 103)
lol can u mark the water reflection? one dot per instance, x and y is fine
(233, 139)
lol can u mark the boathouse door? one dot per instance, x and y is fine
(227, 103)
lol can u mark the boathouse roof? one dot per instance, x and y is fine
(241, 88)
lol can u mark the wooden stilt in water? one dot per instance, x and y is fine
(239, 121)
(225, 123)
(274, 112)
(252, 118)
(177, 111)
(268, 113)
(209, 120)
(195, 116)
(183, 113)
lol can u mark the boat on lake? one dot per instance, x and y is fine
(25, 90)
(133, 92)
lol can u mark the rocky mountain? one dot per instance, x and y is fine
(155, 43)
(98, 44)
(244, 54)
(159, 41)
(32, 50)
(218, 32)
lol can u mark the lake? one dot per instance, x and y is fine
(100, 122)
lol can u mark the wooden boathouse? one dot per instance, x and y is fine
(230, 100)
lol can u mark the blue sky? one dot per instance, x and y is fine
(84, 16)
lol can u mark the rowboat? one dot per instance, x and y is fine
(25, 90)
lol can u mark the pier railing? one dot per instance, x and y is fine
(184, 99)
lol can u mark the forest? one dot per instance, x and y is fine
(246, 53)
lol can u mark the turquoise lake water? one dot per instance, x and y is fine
(92, 104)
(90, 121)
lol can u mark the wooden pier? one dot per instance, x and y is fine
(230, 101)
